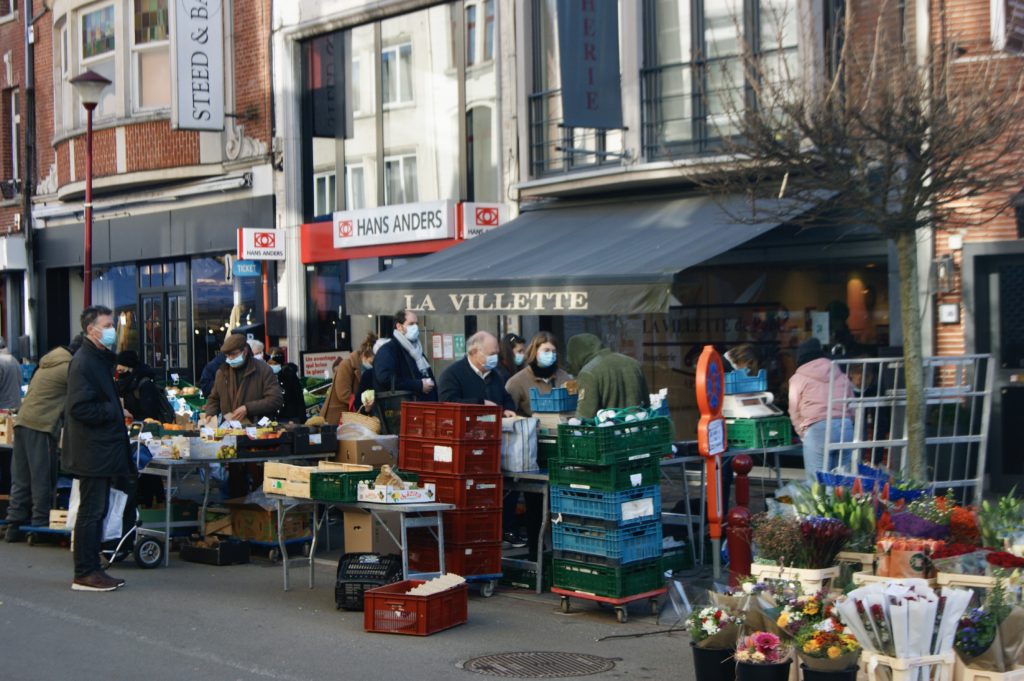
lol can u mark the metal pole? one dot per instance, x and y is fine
(87, 275)
(28, 182)
(266, 306)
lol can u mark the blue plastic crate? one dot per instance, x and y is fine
(558, 399)
(629, 507)
(619, 545)
(739, 382)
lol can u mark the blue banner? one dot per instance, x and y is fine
(588, 46)
(245, 268)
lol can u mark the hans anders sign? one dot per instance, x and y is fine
(197, 39)
(394, 224)
(478, 218)
(260, 244)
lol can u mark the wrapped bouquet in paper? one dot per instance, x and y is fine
(828, 646)
(765, 603)
(803, 612)
(991, 638)
(905, 558)
(714, 627)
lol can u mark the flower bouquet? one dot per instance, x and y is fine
(777, 539)
(999, 520)
(926, 517)
(765, 602)
(827, 647)
(854, 508)
(762, 656)
(714, 627)
(802, 612)
(960, 559)
(991, 638)
(823, 539)
(1002, 560)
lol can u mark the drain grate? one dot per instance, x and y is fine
(538, 665)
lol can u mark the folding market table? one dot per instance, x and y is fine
(533, 482)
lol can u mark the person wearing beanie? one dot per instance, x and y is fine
(809, 407)
(139, 392)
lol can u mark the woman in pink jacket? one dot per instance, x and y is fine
(809, 406)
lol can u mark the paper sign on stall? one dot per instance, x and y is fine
(641, 508)
(449, 346)
(437, 343)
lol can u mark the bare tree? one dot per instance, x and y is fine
(901, 140)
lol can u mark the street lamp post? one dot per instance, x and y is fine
(88, 86)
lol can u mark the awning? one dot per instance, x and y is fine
(595, 259)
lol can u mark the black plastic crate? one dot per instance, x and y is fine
(227, 552)
(358, 572)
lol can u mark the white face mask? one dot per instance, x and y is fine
(412, 332)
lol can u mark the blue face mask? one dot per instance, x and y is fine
(276, 368)
(412, 332)
(108, 337)
(546, 359)
(491, 363)
(235, 362)
(519, 358)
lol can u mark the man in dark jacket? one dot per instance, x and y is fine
(294, 409)
(95, 448)
(141, 395)
(606, 379)
(36, 429)
(210, 373)
(475, 379)
(400, 364)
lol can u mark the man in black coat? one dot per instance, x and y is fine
(137, 387)
(400, 363)
(474, 379)
(95, 449)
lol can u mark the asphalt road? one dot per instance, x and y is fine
(200, 623)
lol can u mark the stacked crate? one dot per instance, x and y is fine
(759, 432)
(605, 491)
(551, 409)
(457, 448)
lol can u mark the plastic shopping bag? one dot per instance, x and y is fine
(115, 511)
(519, 444)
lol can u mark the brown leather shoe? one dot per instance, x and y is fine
(97, 581)
(117, 580)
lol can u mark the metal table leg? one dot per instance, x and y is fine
(280, 540)
(440, 541)
(545, 521)
(167, 516)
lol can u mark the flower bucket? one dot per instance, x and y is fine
(843, 675)
(811, 581)
(748, 671)
(713, 664)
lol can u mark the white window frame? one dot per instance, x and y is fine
(401, 159)
(327, 177)
(84, 63)
(136, 50)
(350, 168)
(15, 133)
(399, 102)
(11, 11)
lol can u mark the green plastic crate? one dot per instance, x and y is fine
(547, 451)
(603, 445)
(341, 486)
(643, 470)
(525, 578)
(768, 431)
(678, 558)
(611, 582)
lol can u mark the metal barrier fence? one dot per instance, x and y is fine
(958, 396)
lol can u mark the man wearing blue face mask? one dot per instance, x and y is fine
(245, 389)
(401, 365)
(474, 379)
(95, 446)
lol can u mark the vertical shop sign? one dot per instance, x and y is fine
(329, 86)
(197, 61)
(588, 44)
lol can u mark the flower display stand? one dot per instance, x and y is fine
(865, 560)
(811, 581)
(962, 672)
(909, 668)
(861, 578)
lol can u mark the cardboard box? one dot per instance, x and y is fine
(374, 452)
(6, 429)
(58, 519)
(363, 535)
(220, 525)
(549, 421)
(252, 522)
(285, 471)
(409, 493)
(288, 488)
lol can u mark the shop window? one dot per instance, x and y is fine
(151, 62)
(400, 180)
(396, 74)
(693, 78)
(355, 187)
(326, 325)
(8, 8)
(62, 94)
(115, 286)
(470, 35)
(324, 193)
(12, 170)
(98, 53)
(214, 311)
(354, 91)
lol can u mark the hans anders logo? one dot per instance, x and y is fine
(344, 228)
(487, 216)
(265, 240)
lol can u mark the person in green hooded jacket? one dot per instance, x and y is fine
(606, 379)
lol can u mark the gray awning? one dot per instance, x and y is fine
(599, 258)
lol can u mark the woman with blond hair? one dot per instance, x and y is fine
(341, 398)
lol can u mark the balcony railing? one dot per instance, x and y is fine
(556, 148)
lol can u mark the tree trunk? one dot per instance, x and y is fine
(913, 364)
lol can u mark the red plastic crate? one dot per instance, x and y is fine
(452, 458)
(451, 421)
(389, 609)
(462, 559)
(466, 491)
(472, 526)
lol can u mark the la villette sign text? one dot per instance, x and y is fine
(395, 224)
(526, 301)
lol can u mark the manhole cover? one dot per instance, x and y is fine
(538, 665)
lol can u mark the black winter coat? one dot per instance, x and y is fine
(294, 408)
(460, 383)
(95, 437)
(142, 397)
(394, 369)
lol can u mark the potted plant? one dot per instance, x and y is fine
(762, 656)
(828, 652)
(713, 633)
(989, 639)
